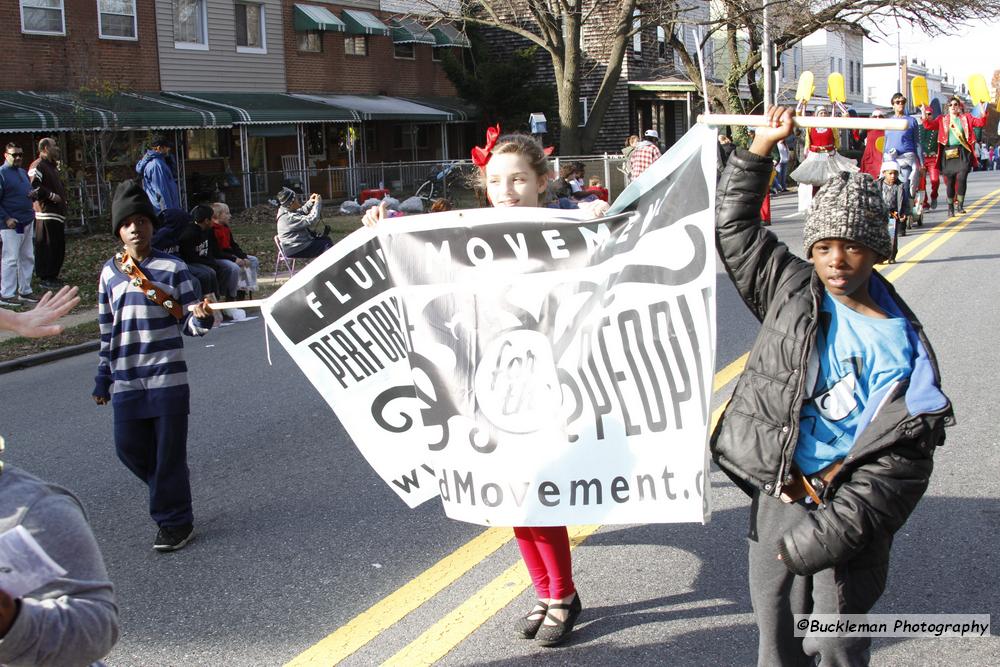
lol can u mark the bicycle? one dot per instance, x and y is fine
(441, 177)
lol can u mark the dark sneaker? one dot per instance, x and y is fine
(27, 298)
(172, 538)
(53, 285)
(9, 302)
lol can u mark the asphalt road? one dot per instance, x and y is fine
(297, 536)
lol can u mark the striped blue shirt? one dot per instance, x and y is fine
(141, 366)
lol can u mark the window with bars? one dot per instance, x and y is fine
(356, 45)
(116, 19)
(45, 17)
(311, 41)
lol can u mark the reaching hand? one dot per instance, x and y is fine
(40, 321)
(202, 310)
(375, 214)
(779, 126)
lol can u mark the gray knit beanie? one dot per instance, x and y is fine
(850, 207)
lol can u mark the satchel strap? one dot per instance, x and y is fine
(130, 268)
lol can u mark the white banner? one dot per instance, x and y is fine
(527, 366)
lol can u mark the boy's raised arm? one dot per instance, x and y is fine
(754, 258)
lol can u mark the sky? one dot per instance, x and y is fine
(972, 51)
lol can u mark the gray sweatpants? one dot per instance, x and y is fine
(777, 594)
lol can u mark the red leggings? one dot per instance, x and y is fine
(931, 170)
(545, 551)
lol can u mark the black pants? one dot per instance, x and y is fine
(206, 277)
(777, 594)
(50, 250)
(155, 450)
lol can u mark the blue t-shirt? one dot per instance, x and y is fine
(860, 357)
(904, 141)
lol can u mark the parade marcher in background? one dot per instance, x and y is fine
(231, 251)
(781, 178)
(903, 146)
(17, 232)
(514, 171)
(294, 226)
(955, 150)
(931, 173)
(49, 195)
(646, 153)
(846, 453)
(145, 300)
(159, 178)
(871, 159)
(895, 196)
(822, 162)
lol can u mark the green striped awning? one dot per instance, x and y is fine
(266, 108)
(29, 111)
(363, 23)
(408, 31)
(446, 34)
(457, 109)
(311, 17)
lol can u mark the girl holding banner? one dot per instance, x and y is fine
(514, 171)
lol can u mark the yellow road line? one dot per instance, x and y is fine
(900, 269)
(444, 635)
(369, 624)
(931, 233)
(447, 633)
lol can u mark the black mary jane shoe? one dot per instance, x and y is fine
(554, 635)
(527, 625)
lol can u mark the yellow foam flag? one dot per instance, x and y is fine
(978, 90)
(918, 91)
(835, 88)
(806, 87)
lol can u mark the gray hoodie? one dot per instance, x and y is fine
(73, 620)
(293, 226)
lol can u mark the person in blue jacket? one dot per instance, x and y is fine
(158, 178)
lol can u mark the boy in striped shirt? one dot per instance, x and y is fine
(143, 301)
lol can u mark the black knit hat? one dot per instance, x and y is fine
(129, 200)
(849, 207)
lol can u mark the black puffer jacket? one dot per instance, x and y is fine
(889, 466)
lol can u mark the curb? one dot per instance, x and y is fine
(47, 356)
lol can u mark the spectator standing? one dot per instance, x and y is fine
(646, 153)
(49, 195)
(159, 179)
(143, 302)
(17, 231)
(230, 251)
(782, 166)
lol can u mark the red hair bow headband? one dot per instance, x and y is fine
(481, 155)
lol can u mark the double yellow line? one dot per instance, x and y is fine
(462, 621)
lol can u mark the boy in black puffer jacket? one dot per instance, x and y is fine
(833, 424)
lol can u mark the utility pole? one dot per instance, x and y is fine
(765, 61)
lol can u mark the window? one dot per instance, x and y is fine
(832, 63)
(840, 65)
(250, 28)
(408, 137)
(436, 53)
(45, 17)
(202, 144)
(311, 41)
(637, 37)
(116, 19)
(661, 43)
(584, 111)
(850, 76)
(371, 138)
(189, 24)
(316, 140)
(404, 51)
(356, 45)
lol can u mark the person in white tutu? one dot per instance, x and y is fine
(822, 162)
